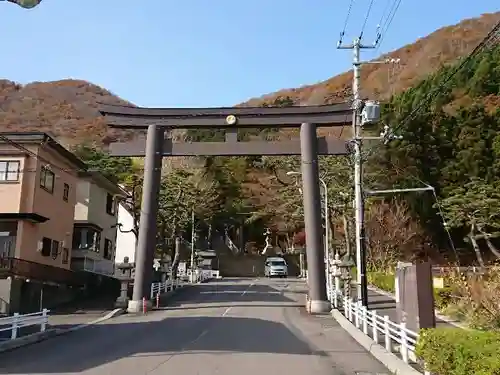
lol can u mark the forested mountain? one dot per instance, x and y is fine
(450, 143)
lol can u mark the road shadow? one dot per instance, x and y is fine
(210, 305)
(229, 293)
(106, 343)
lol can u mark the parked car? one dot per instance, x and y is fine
(275, 266)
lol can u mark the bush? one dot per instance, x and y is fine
(443, 297)
(382, 280)
(454, 351)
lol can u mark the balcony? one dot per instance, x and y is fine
(10, 266)
(86, 242)
(98, 266)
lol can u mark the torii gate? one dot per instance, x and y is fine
(159, 120)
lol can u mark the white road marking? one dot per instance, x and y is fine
(244, 292)
(247, 289)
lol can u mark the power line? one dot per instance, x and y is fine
(366, 19)
(342, 33)
(388, 21)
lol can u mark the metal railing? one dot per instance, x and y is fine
(395, 337)
(18, 321)
(163, 287)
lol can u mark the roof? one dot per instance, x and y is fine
(18, 138)
(103, 182)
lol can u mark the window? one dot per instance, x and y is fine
(46, 246)
(86, 239)
(65, 255)
(55, 249)
(110, 204)
(66, 192)
(47, 178)
(9, 170)
(108, 249)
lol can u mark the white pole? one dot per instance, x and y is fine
(192, 246)
(327, 239)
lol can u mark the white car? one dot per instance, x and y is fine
(275, 266)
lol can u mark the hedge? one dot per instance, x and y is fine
(454, 351)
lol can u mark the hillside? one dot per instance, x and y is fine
(68, 108)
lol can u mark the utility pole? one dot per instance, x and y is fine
(362, 286)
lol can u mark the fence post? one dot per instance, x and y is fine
(356, 312)
(404, 342)
(387, 334)
(152, 291)
(351, 310)
(15, 326)
(45, 319)
(374, 326)
(364, 311)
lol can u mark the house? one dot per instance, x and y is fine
(126, 240)
(38, 181)
(95, 223)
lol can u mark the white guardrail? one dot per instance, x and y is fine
(396, 337)
(15, 322)
(167, 286)
(163, 287)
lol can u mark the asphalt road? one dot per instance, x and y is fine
(238, 326)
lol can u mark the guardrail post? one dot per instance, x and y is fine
(364, 318)
(387, 334)
(374, 325)
(404, 342)
(45, 320)
(15, 326)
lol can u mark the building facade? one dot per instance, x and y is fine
(38, 182)
(95, 224)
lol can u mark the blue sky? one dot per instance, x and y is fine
(202, 52)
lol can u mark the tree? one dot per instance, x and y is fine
(183, 193)
(116, 169)
(475, 207)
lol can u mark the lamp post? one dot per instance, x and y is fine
(193, 239)
(327, 231)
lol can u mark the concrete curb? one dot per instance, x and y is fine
(438, 315)
(389, 360)
(53, 332)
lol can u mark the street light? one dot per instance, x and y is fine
(327, 231)
(26, 4)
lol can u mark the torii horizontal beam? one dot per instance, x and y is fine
(128, 117)
(326, 146)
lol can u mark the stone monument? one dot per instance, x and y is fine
(123, 272)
